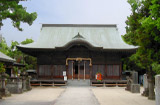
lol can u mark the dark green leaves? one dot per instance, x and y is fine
(143, 30)
(16, 12)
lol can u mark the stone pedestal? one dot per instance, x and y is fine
(24, 88)
(24, 84)
(5, 92)
(28, 85)
(15, 87)
(145, 85)
(129, 82)
(132, 83)
(135, 88)
(151, 95)
(157, 89)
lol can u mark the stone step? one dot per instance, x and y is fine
(80, 82)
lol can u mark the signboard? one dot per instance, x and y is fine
(64, 73)
(65, 78)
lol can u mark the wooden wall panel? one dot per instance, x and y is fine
(113, 71)
(51, 71)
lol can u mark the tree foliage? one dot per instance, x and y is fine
(17, 13)
(143, 30)
(3, 46)
(12, 51)
(2, 69)
(27, 41)
(30, 62)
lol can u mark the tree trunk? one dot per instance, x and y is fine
(151, 85)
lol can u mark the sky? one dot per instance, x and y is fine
(68, 12)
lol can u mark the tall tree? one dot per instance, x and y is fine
(3, 46)
(16, 12)
(30, 62)
(143, 30)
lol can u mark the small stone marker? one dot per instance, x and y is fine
(135, 87)
(135, 77)
(157, 84)
(145, 85)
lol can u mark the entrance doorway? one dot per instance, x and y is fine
(75, 68)
(78, 69)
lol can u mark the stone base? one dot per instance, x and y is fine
(157, 89)
(5, 92)
(24, 87)
(28, 85)
(151, 97)
(135, 88)
(145, 92)
(128, 87)
(15, 87)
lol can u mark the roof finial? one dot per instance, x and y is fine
(78, 36)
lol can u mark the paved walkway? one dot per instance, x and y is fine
(77, 96)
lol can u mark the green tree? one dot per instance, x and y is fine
(17, 13)
(143, 30)
(27, 41)
(2, 69)
(3, 46)
(30, 62)
(13, 51)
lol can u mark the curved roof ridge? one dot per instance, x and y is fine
(79, 25)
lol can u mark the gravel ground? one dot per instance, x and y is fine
(37, 96)
(118, 96)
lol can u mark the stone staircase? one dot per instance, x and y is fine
(80, 82)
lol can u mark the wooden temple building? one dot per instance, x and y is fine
(82, 50)
(9, 63)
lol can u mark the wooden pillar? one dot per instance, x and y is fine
(120, 71)
(105, 71)
(78, 69)
(67, 71)
(37, 71)
(90, 68)
(72, 70)
(84, 69)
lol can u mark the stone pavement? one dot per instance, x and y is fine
(77, 96)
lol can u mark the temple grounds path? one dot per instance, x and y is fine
(77, 96)
(37, 96)
(118, 96)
